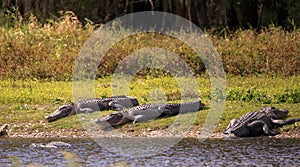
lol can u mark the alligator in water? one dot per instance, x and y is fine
(53, 144)
(257, 123)
(148, 112)
(93, 104)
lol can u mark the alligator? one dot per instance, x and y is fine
(93, 104)
(3, 130)
(53, 144)
(147, 112)
(258, 123)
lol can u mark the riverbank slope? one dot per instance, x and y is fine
(24, 104)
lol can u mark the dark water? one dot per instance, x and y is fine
(188, 152)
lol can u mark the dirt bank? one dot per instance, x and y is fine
(75, 133)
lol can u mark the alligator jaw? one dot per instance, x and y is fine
(276, 113)
(63, 111)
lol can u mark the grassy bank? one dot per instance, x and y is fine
(24, 104)
(37, 61)
(47, 51)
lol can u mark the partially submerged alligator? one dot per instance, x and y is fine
(257, 123)
(53, 144)
(149, 111)
(91, 105)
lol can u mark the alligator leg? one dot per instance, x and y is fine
(232, 122)
(85, 110)
(166, 113)
(268, 131)
(144, 118)
(256, 126)
(285, 122)
(228, 132)
(139, 118)
(115, 106)
(149, 115)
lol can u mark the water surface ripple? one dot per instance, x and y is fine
(262, 151)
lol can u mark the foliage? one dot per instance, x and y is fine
(48, 51)
(292, 10)
(271, 51)
(252, 95)
(205, 14)
(41, 51)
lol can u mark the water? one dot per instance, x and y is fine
(261, 151)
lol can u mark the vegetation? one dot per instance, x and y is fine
(217, 14)
(24, 104)
(37, 61)
(48, 51)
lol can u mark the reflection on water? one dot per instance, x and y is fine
(262, 151)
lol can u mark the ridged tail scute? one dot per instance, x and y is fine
(191, 106)
(175, 109)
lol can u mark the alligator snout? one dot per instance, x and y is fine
(279, 113)
(61, 112)
(49, 118)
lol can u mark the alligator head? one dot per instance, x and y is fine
(62, 111)
(276, 113)
(112, 119)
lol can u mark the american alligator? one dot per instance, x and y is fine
(53, 144)
(149, 111)
(93, 104)
(3, 130)
(257, 123)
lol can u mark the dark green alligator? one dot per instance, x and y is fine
(93, 104)
(258, 123)
(148, 112)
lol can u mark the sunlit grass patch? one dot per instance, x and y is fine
(25, 103)
(34, 92)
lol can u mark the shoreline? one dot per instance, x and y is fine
(75, 133)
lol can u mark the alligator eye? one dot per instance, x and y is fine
(62, 107)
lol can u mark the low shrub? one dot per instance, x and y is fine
(48, 51)
(252, 95)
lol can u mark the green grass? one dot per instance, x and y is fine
(24, 104)
(37, 61)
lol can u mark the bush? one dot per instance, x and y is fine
(41, 51)
(271, 51)
(252, 95)
(48, 51)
